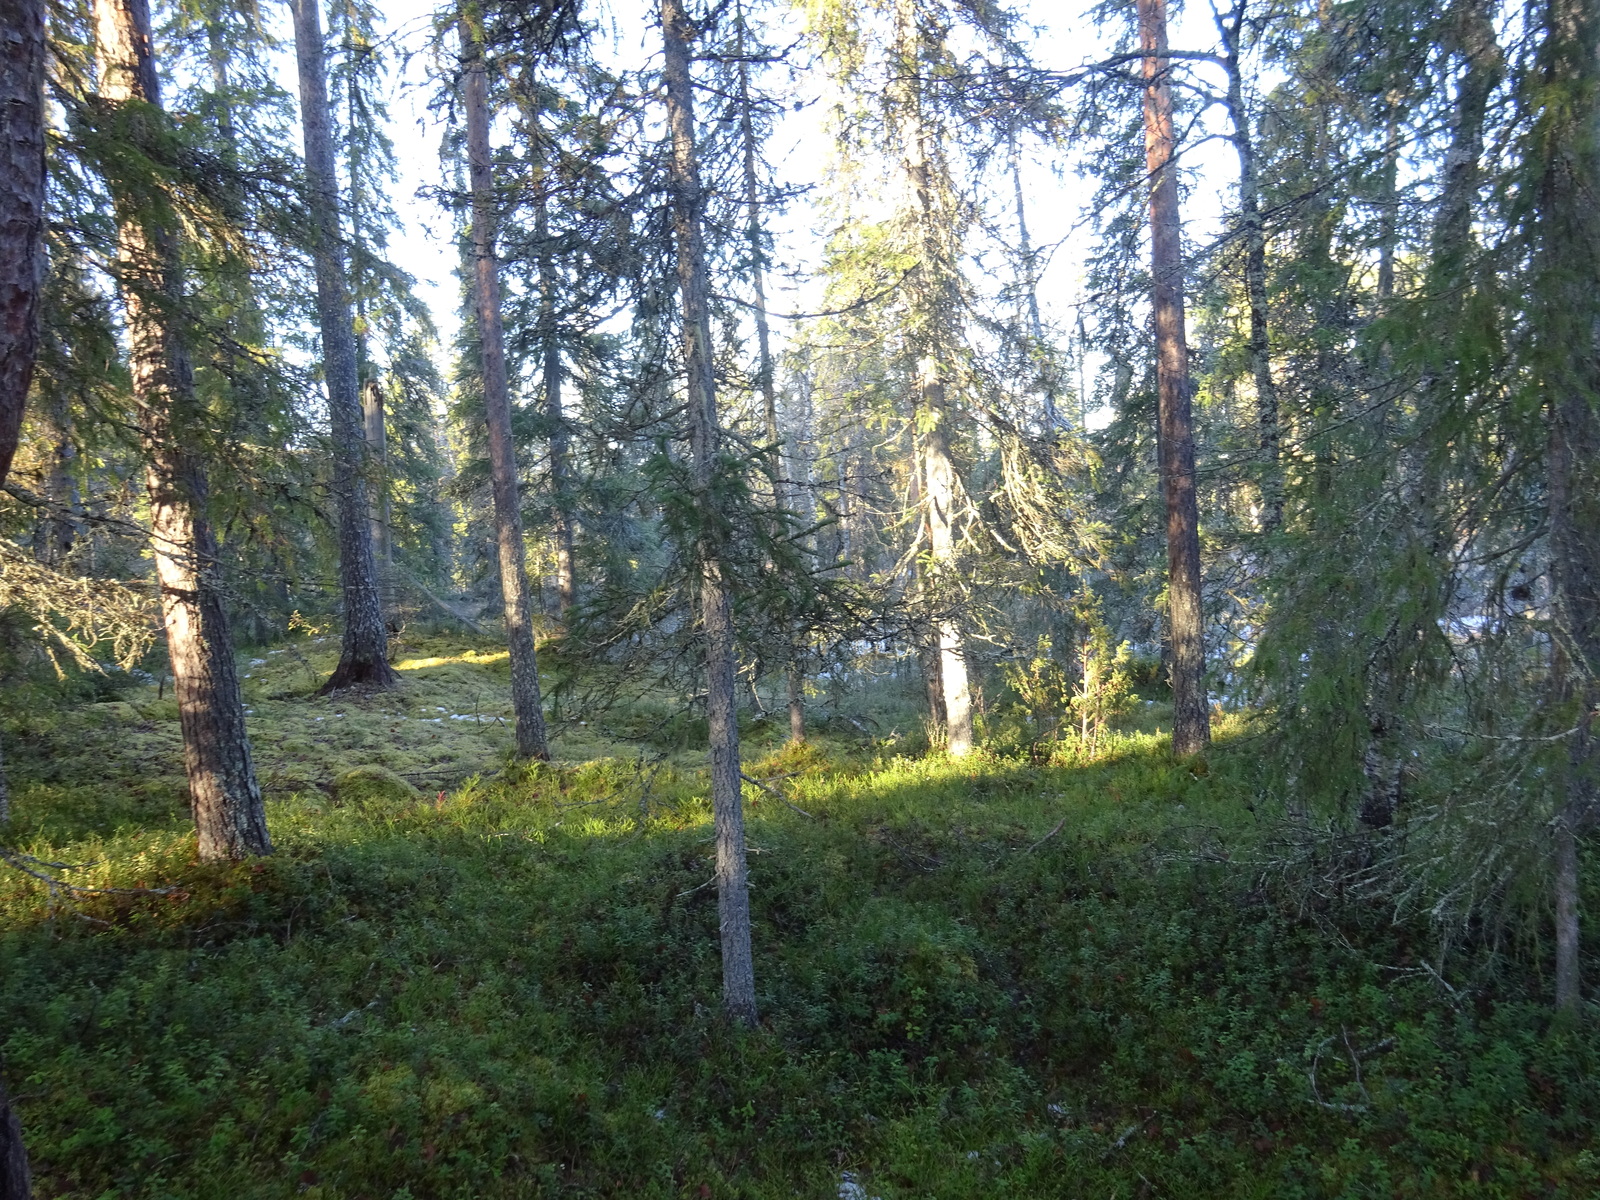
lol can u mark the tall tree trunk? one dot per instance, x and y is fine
(939, 484)
(229, 818)
(1191, 718)
(364, 654)
(376, 435)
(22, 71)
(716, 614)
(1255, 274)
(560, 447)
(1030, 285)
(1567, 321)
(766, 380)
(514, 588)
(931, 336)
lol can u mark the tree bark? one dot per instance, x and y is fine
(16, 1181)
(230, 820)
(364, 654)
(1191, 725)
(22, 71)
(22, 183)
(525, 699)
(1567, 234)
(716, 615)
(1255, 277)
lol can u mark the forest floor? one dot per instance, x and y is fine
(463, 977)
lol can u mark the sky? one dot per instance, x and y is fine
(1056, 198)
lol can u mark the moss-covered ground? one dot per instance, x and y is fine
(461, 977)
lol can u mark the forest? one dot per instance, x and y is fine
(953, 598)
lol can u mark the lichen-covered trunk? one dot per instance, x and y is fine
(716, 611)
(1191, 718)
(525, 699)
(364, 653)
(939, 498)
(229, 818)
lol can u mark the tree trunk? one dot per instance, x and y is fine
(765, 375)
(939, 483)
(22, 71)
(932, 333)
(550, 346)
(1191, 726)
(1255, 276)
(229, 818)
(377, 438)
(364, 654)
(1567, 233)
(16, 1181)
(525, 699)
(716, 616)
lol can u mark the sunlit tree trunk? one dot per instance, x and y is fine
(364, 653)
(1191, 722)
(930, 336)
(514, 588)
(229, 818)
(716, 613)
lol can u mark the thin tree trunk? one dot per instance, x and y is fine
(1255, 276)
(1030, 286)
(229, 818)
(1191, 727)
(765, 375)
(376, 434)
(22, 70)
(364, 654)
(555, 418)
(716, 615)
(1568, 323)
(525, 699)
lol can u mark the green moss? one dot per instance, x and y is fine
(511, 989)
(373, 787)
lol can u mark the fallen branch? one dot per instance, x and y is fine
(775, 793)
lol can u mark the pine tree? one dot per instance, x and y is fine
(226, 799)
(716, 615)
(364, 653)
(525, 698)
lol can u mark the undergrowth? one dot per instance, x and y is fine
(1012, 975)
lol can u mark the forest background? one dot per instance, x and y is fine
(899, 416)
